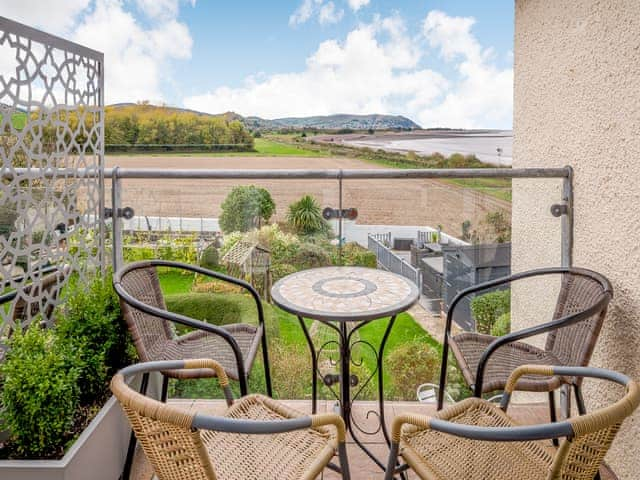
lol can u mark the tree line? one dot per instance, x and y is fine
(146, 125)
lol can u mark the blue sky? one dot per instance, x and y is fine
(442, 63)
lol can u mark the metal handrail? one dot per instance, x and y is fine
(360, 174)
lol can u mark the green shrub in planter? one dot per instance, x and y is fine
(40, 391)
(90, 323)
(410, 365)
(488, 307)
(210, 258)
(502, 325)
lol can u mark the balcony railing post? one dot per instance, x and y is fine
(567, 220)
(116, 186)
(340, 218)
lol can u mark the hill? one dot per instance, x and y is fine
(355, 122)
(328, 122)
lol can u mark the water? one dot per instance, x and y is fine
(482, 145)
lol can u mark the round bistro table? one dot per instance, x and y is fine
(346, 299)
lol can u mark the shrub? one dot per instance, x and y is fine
(245, 208)
(282, 245)
(210, 258)
(288, 364)
(40, 392)
(90, 324)
(310, 255)
(305, 216)
(281, 270)
(220, 309)
(206, 285)
(230, 240)
(502, 325)
(488, 307)
(355, 255)
(410, 365)
(211, 308)
(500, 224)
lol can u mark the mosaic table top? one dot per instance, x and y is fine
(344, 293)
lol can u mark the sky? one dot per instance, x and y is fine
(440, 63)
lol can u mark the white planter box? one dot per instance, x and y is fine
(98, 453)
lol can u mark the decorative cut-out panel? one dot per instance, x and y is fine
(51, 154)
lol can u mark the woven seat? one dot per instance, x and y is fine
(486, 361)
(256, 439)
(477, 440)
(443, 457)
(291, 455)
(469, 347)
(199, 344)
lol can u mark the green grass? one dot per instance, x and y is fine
(499, 188)
(270, 147)
(263, 147)
(173, 282)
(286, 339)
(18, 119)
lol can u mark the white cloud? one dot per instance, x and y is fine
(359, 75)
(137, 56)
(159, 8)
(304, 12)
(358, 4)
(325, 11)
(482, 96)
(58, 18)
(329, 14)
(379, 68)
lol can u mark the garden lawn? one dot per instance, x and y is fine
(173, 282)
(262, 147)
(269, 147)
(289, 353)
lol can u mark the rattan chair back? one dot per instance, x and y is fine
(39, 298)
(150, 333)
(580, 456)
(579, 292)
(172, 447)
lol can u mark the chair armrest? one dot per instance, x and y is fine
(265, 427)
(196, 363)
(548, 370)
(485, 433)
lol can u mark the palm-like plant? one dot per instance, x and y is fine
(305, 216)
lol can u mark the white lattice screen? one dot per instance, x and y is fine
(51, 154)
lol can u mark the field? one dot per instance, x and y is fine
(379, 202)
(263, 147)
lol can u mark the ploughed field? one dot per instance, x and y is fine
(379, 201)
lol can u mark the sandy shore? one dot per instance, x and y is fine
(484, 144)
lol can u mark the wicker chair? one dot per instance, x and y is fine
(475, 439)
(40, 297)
(486, 361)
(257, 437)
(233, 346)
